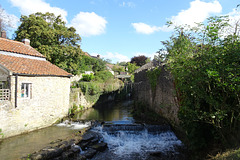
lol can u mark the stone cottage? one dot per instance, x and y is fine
(33, 92)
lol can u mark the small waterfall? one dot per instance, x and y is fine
(137, 141)
(74, 125)
(78, 147)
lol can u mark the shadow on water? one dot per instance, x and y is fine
(112, 111)
(127, 139)
(21, 145)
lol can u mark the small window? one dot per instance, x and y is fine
(26, 90)
(3, 84)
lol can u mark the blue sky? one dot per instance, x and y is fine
(121, 29)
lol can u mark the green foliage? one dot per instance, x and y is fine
(117, 68)
(122, 64)
(89, 88)
(1, 134)
(49, 35)
(132, 78)
(161, 55)
(153, 77)
(103, 76)
(75, 108)
(87, 77)
(206, 70)
(132, 67)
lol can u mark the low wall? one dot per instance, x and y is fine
(162, 100)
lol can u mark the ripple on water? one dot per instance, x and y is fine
(137, 144)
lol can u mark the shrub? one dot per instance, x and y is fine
(103, 76)
(87, 77)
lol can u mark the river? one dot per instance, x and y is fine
(127, 143)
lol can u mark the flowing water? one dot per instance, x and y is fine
(125, 138)
(18, 146)
(138, 141)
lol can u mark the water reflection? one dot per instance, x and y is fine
(19, 146)
(116, 112)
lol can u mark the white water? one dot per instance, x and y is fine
(78, 147)
(74, 125)
(127, 144)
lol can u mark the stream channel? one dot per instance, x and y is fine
(126, 138)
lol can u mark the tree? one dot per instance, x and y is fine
(132, 67)
(139, 60)
(7, 21)
(206, 70)
(49, 35)
(122, 63)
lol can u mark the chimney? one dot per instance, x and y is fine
(26, 41)
(3, 34)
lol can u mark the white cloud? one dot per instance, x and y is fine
(145, 28)
(197, 12)
(127, 4)
(29, 6)
(234, 20)
(88, 24)
(8, 20)
(115, 57)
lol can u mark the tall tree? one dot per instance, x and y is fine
(206, 70)
(139, 60)
(49, 35)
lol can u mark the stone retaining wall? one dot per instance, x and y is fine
(163, 99)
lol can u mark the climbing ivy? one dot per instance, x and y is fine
(153, 76)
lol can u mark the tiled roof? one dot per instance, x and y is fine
(18, 47)
(27, 66)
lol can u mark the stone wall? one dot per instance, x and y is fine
(163, 99)
(77, 98)
(49, 102)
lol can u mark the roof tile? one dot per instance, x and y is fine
(18, 47)
(20, 65)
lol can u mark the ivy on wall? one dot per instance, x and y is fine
(153, 75)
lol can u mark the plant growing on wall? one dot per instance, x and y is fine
(153, 75)
(1, 134)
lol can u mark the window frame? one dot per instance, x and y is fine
(26, 90)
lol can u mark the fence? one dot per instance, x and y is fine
(4, 94)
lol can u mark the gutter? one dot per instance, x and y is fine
(42, 75)
(16, 90)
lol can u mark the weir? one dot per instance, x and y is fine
(126, 139)
(138, 141)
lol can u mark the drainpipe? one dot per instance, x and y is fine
(16, 84)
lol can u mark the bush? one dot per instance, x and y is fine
(207, 78)
(87, 77)
(90, 88)
(103, 76)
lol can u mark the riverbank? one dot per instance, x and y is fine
(81, 145)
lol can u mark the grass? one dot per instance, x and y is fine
(233, 154)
